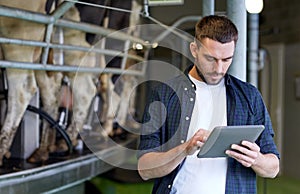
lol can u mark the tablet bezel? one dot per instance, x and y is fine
(222, 137)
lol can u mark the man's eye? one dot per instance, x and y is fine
(226, 60)
(210, 59)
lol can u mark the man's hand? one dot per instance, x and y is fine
(247, 153)
(197, 141)
(159, 164)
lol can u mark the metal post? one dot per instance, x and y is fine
(208, 7)
(253, 46)
(236, 11)
(146, 8)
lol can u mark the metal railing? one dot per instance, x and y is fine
(53, 21)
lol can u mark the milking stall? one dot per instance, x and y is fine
(77, 76)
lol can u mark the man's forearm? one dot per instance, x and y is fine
(158, 164)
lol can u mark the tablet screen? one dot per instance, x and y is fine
(222, 137)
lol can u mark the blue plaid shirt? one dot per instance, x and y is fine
(167, 126)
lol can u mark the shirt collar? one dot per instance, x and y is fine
(186, 73)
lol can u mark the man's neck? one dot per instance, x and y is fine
(195, 73)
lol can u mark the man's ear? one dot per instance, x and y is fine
(194, 49)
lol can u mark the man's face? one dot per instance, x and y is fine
(212, 59)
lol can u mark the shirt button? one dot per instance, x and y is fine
(191, 99)
(185, 89)
(182, 141)
(187, 118)
(169, 186)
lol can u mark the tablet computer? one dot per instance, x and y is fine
(222, 137)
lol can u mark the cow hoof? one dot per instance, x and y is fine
(52, 148)
(4, 146)
(1, 160)
(61, 146)
(39, 155)
(119, 134)
(7, 155)
(4, 155)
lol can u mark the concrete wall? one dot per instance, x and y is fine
(280, 24)
(280, 21)
(292, 114)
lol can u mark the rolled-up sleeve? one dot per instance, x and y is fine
(150, 137)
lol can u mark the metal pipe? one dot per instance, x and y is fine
(59, 38)
(101, 6)
(25, 15)
(66, 68)
(58, 12)
(253, 48)
(47, 40)
(62, 9)
(70, 47)
(99, 30)
(146, 8)
(47, 19)
(236, 11)
(208, 7)
(174, 25)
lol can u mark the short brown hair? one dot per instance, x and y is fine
(218, 28)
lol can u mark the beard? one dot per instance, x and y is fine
(212, 78)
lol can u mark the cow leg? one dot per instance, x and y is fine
(22, 84)
(110, 101)
(22, 87)
(127, 103)
(103, 91)
(49, 84)
(84, 90)
(126, 107)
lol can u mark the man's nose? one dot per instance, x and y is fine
(218, 66)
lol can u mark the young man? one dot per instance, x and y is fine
(194, 103)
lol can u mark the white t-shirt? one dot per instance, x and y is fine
(205, 175)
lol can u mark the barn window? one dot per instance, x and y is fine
(165, 2)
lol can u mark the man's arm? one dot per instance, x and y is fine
(249, 155)
(158, 164)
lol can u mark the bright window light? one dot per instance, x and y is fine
(165, 2)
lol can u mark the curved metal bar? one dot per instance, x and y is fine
(172, 28)
(62, 9)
